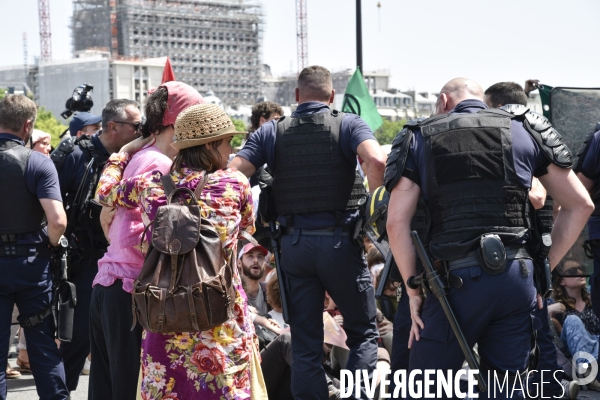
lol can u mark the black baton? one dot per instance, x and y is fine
(275, 235)
(438, 289)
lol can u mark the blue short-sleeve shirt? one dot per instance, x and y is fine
(260, 149)
(42, 182)
(526, 154)
(590, 168)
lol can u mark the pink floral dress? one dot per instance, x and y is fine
(213, 364)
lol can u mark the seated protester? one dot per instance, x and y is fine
(251, 262)
(274, 300)
(579, 327)
(375, 262)
(389, 302)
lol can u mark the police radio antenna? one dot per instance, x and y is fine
(80, 101)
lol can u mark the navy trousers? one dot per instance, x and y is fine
(311, 266)
(75, 352)
(402, 323)
(494, 311)
(595, 282)
(115, 347)
(548, 361)
(27, 282)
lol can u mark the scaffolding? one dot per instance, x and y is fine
(213, 44)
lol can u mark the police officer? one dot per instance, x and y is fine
(588, 171)
(32, 198)
(510, 95)
(473, 166)
(316, 192)
(80, 161)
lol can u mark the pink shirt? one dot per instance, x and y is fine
(122, 260)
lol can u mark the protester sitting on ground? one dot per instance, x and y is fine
(578, 326)
(222, 357)
(251, 262)
(274, 300)
(41, 142)
(375, 262)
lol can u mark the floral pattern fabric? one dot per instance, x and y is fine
(213, 364)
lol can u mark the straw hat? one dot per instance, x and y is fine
(200, 124)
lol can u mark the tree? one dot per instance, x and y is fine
(240, 126)
(48, 123)
(388, 131)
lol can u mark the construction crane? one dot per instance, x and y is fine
(45, 33)
(302, 38)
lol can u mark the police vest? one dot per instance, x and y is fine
(312, 173)
(86, 221)
(472, 187)
(20, 211)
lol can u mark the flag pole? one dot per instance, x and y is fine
(359, 57)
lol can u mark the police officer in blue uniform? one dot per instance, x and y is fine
(80, 161)
(32, 199)
(474, 166)
(317, 195)
(588, 171)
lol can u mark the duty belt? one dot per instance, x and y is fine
(22, 250)
(471, 258)
(345, 231)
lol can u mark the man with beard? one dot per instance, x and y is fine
(252, 263)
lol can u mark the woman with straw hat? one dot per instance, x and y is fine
(213, 364)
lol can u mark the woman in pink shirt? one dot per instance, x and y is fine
(115, 345)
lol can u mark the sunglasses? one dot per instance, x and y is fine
(137, 125)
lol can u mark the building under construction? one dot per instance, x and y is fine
(212, 44)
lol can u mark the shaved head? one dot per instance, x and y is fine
(455, 91)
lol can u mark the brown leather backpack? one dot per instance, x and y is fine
(185, 284)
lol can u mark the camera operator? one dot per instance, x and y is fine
(84, 123)
(79, 162)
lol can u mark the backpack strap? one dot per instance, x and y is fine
(168, 184)
(200, 187)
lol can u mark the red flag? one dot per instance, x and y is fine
(168, 74)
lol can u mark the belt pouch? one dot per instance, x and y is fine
(491, 254)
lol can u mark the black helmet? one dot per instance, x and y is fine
(376, 211)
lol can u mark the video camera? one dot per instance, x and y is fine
(81, 100)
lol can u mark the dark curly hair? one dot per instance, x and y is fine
(560, 294)
(155, 108)
(263, 109)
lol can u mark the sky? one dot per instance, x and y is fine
(421, 43)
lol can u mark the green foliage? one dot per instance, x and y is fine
(240, 126)
(388, 131)
(48, 123)
(2, 93)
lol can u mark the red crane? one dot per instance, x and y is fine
(45, 33)
(302, 40)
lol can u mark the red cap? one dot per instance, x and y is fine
(249, 247)
(181, 96)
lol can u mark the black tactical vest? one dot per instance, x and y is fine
(86, 219)
(472, 184)
(312, 174)
(20, 211)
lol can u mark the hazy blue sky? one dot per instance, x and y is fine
(423, 43)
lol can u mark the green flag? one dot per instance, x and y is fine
(546, 100)
(357, 100)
